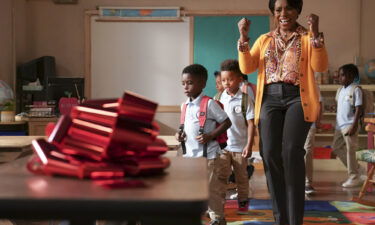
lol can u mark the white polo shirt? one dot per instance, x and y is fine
(237, 133)
(191, 127)
(345, 111)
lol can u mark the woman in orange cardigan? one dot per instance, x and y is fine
(286, 100)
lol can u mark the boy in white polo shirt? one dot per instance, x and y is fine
(194, 78)
(239, 108)
(345, 140)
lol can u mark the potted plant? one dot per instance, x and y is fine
(8, 111)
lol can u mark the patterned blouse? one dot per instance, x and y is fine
(282, 58)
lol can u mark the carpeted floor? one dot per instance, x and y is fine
(316, 212)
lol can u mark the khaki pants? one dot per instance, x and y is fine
(229, 160)
(345, 147)
(216, 199)
(309, 147)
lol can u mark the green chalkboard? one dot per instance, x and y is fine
(215, 40)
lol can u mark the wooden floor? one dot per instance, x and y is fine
(326, 183)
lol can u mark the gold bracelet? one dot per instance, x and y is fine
(243, 46)
(317, 42)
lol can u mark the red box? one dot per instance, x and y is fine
(322, 153)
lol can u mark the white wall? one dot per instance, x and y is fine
(6, 42)
(45, 28)
(58, 30)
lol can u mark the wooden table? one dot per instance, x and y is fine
(12, 147)
(178, 197)
(16, 141)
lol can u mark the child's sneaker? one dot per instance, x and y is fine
(352, 182)
(218, 222)
(207, 214)
(243, 208)
(309, 189)
(233, 196)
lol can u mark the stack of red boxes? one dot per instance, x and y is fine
(103, 139)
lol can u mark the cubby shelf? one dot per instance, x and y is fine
(328, 92)
(334, 87)
(331, 135)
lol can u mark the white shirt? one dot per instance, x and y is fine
(215, 114)
(237, 133)
(345, 111)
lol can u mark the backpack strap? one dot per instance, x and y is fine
(182, 124)
(244, 88)
(218, 96)
(254, 88)
(351, 92)
(362, 115)
(202, 119)
(363, 100)
(244, 104)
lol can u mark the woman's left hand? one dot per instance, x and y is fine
(313, 22)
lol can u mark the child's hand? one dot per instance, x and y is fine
(204, 138)
(180, 136)
(247, 152)
(244, 28)
(351, 131)
(313, 22)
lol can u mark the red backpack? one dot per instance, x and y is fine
(221, 139)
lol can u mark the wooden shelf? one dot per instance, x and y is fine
(370, 120)
(331, 135)
(329, 114)
(12, 123)
(334, 87)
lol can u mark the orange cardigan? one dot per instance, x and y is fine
(311, 60)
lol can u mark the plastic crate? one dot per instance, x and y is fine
(322, 153)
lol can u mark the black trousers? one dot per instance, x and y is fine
(283, 132)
